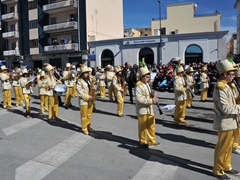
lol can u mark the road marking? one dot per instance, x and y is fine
(156, 168)
(48, 161)
(21, 126)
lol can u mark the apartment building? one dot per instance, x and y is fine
(237, 7)
(56, 31)
(182, 18)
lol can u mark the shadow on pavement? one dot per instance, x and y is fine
(146, 153)
(183, 139)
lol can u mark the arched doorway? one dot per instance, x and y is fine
(148, 54)
(107, 57)
(193, 54)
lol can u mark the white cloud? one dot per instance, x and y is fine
(231, 29)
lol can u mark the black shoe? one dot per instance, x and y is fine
(222, 177)
(233, 172)
(132, 102)
(143, 145)
(70, 105)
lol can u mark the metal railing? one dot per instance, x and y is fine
(60, 5)
(11, 34)
(66, 25)
(61, 47)
(10, 15)
(11, 53)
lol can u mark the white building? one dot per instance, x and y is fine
(191, 47)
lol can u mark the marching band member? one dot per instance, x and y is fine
(50, 82)
(43, 93)
(190, 82)
(109, 77)
(6, 88)
(204, 84)
(236, 87)
(144, 109)
(102, 85)
(180, 97)
(86, 93)
(226, 112)
(118, 83)
(17, 87)
(27, 91)
(74, 81)
(68, 81)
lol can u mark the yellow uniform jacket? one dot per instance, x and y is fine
(109, 78)
(83, 89)
(48, 82)
(6, 84)
(225, 107)
(179, 88)
(204, 80)
(26, 86)
(117, 86)
(143, 99)
(68, 78)
(190, 81)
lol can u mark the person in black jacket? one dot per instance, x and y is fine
(130, 77)
(58, 77)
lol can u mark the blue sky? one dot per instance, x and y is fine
(138, 13)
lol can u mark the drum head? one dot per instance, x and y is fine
(60, 89)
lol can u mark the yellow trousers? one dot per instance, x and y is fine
(120, 105)
(27, 98)
(18, 95)
(236, 137)
(53, 107)
(43, 103)
(223, 152)
(146, 129)
(68, 96)
(86, 114)
(180, 112)
(74, 90)
(111, 93)
(102, 90)
(204, 94)
(7, 98)
(189, 99)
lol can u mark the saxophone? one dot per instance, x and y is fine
(92, 92)
(124, 85)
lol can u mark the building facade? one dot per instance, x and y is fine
(191, 47)
(182, 18)
(237, 7)
(232, 47)
(56, 31)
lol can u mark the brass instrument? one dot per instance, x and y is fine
(153, 95)
(188, 90)
(92, 92)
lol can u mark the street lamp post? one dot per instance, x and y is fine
(160, 36)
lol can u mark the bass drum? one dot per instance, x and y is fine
(60, 90)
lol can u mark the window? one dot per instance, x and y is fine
(72, 17)
(32, 4)
(12, 9)
(33, 24)
(13, 45)
(53, 20)
(33, 43)
(13, 27)
(74, 38)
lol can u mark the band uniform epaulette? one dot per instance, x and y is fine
(138, 83)
(46, 76)
(221, 85)
(232, 85)
(176, 77)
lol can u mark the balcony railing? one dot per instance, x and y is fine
(10, 16)
(9, 1)
(11, 53)
(61, 26)
(61, 47)
(59, 5)
(9, 35)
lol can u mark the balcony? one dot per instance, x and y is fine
(61, 48)
(67, 26)
(11, 53)
(9, 1)
(10, 17)
(11, 35)
(60, 6)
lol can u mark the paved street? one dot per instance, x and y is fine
(33, 149)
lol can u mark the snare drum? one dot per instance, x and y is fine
(60, 89)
